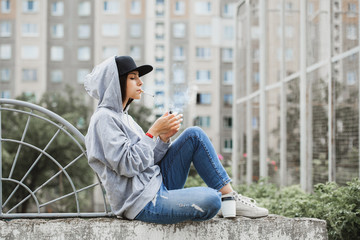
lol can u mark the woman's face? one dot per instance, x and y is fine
(133, 85)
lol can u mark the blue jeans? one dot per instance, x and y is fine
(174, 203)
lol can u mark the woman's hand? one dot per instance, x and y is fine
(166, 126)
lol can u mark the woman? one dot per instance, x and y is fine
(144, 173)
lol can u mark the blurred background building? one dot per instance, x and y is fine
(48, 44)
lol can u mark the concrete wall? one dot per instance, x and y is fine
(272, 227)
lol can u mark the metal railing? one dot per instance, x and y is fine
(36, 193)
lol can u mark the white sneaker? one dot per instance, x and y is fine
(246, 207)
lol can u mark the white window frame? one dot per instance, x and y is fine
(84, 53)
(30, 52)
(57, 8)
(84, 31)
(31, 75)
(57, 30)
(135, 7)
(5, 29)
(35, 6)
(5, 51)
(110, 30)
(109, 51)
(179, 30)
(5, 6)
(179, 8)
(111, 7)
(56, 76)
(5, 75)
(84, 8)
(30, 30)
(203, 8)
(136, 30)
(57, 53)
(203, 76)
(203, 30)
(81, 73)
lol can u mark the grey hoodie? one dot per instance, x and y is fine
(118, 149)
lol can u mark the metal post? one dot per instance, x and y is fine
(249, 135)
(283, 146)
(235, 155)
(263, 78)
(1, 212)
(303, 96)
(359, 84)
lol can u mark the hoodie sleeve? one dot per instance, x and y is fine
(160, 149)
(120, 154)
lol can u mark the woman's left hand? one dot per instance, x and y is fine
(176, 123)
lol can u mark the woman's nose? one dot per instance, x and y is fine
(140, 82)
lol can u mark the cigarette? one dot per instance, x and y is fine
(147, 93)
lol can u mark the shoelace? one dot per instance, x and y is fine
(246, 200)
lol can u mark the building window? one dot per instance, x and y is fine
(227, 145)
(57, 8)
(160, 99)
(228, 10)
(203, 30)
(57, 53)
(227, 54)
(203, 121)
(5, 29)
(56, 76)
(179, 30)
(135, 7)
(159, 76)
(5, 94)
(254, 123)
(29, 52)
(159, 53)
(203, 52)
(109, 52)
(160, 9)
(111, 7)
(30, 30)
(203, 7)
(228, 100)
(57, 31)
(84, 31)
(135, 30)
(84, 9)
(5, 6)
(5, 75)
(81, 73)
(179, 53)
(135, 52)
(83, 53)
(179, 8)
(29, 75)
(227, 122)
(179, 75)
(351, 32)
(203, 76)
(289, 54)
(159, 31)
(228, 77)
(351, 78)
(289, 31)
(30, 6)
(110, 30)
(203, 98)
(228, 33)
(5, 51)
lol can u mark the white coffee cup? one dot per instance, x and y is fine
(228, 207)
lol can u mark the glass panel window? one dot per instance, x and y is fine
(159, 53)
(159, 8)
(179, 75)
(228, 100)
(29, 52)
(83, 53)
(203, 8)
(5, 51)
(203, 121)
(30, 30)
(203, 52)
(109, 52)
(5, 75)
(159, 76)
(135, 30)
(203, 76)
(227, 122)
(179, 30)
(5, 94)
(203, 98)
(84, 9)
(227, 145)
(84, 31)
(30, 6)
(135, 7)
(160, 31)
(5, 6)
(228, 77)
(56, 76)
(227, 54)
(351, 32)
(179, 53)
(110, 30)
(57, 31)
(29, 75)
(57, 8)
(351, 78)
(5, 29)
(57, 53)
(203, 30)
(179, 8)
(81, 73)
(111, 7)
(228, 10)
(228, 33)
(135, 52)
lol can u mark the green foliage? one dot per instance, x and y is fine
(141, 115)
(62, 149)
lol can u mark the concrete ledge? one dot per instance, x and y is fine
(272, 227)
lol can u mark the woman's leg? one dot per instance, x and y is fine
(193, 145)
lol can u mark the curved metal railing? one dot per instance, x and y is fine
(43, 198)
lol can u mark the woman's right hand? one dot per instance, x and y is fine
(166, 123)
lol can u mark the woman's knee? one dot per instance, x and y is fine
(212, 204)
(195, 131)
